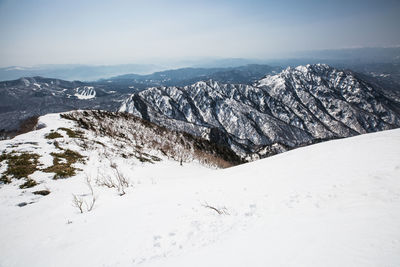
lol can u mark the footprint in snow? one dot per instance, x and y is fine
(157, 237)
(252, 210)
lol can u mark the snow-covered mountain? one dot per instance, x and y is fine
(330, 204)
(35, 96)
(186, 76)
(27, 97)
(85, 92)
(296, 107)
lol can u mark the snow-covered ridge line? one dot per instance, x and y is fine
(296, 107)
(58, 146)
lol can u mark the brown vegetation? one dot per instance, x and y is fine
(53, 135)
(62, 164)
(19, 165)
(71, 133)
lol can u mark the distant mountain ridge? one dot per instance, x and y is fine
(296, 107)
(75, 71)
(343, 58)
(246, 74)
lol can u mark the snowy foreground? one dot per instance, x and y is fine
(331, 204)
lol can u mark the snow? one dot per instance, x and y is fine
(15, 68)
(331, 204)
(25, 81)
(303, 69)
(275, 81)
(87, 92)
(37, 85)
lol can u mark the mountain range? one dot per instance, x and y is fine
(296, 107)
(255, 110)
(34, 96)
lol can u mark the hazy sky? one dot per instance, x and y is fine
(111, 32)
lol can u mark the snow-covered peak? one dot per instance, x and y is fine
(316, 69)
(200, 84)
(302, 68)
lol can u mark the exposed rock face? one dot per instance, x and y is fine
(298, 106)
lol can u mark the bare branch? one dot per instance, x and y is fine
(220, 211)
(106, 181)
(88, 180)
(77, 202)
(90, 206)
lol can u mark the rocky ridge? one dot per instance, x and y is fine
(296, 107)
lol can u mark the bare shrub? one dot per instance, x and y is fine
(123, 181)
(88, 181)
(28, 125)
(118, 180)
(89, 205)
(105, 180)
(220, 211)
(77, 202)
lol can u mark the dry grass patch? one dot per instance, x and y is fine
(28, 184)
(71, 133)
(53, 135)
(62, 164)
(19, 165)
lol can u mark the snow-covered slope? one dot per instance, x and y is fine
(85, 92)
(330, 204)
(296, 107)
